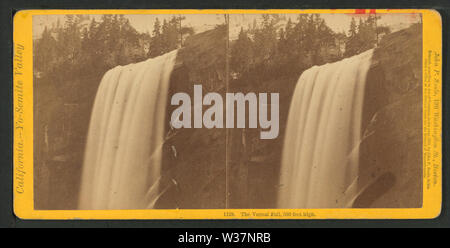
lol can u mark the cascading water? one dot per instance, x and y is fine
(123, 152)
(321, 149)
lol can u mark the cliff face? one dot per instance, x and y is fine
(61, 121)
(193, 173)
(391, 148)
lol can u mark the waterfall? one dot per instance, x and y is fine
(321, 150)
(126, 133)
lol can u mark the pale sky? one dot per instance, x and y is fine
(203, 22)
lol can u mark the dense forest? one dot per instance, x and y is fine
(268, 49)
(85, 45)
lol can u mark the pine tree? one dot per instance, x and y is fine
(352, 32)
(241, 54)
(156, 40)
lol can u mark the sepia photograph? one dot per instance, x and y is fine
(227, 111)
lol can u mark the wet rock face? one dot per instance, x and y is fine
(193, 169)
(390, 171)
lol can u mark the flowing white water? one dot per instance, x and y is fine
(123, 152)
(321, 149)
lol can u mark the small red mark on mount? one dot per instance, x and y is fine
(360, 11)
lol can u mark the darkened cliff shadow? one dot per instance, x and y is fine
(390, 170)
(193, 172)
